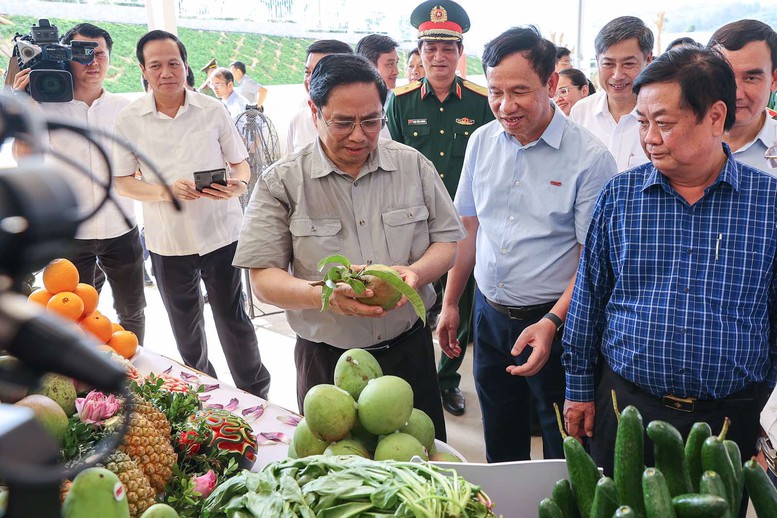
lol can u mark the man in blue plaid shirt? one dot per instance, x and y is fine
(675, 303)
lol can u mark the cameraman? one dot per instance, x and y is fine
(103, 241)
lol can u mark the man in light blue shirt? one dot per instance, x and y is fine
(527, 189)
(223, 83)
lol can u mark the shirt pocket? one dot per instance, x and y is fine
(416, 134)
(460, 139)
(314, 239)
(407, 233)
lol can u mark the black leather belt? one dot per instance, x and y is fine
(522, 312)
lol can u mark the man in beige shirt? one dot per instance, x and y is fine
(376, 202)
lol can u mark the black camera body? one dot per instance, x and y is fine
(49, 61)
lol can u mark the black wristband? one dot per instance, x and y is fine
(556, 321)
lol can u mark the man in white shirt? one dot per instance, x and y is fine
(302, 130)
(104, 243)
(624, 47)
(223, 83)
(750, 46)
(381, 51)
(246, 86)
(182, 133)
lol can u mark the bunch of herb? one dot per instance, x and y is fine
(80, 439)
(180, 494)
(176, 406)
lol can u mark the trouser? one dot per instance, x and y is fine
(178, 279)
(506, 400)
(448, 368)
(742, 409)
(121, 258)
(409, 356)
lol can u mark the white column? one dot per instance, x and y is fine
(162, 14)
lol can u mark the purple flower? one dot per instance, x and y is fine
(205, 484)
(96, 407)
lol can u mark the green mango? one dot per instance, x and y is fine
(96, 492)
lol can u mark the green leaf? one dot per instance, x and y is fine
(357, 285)
(339, 259)
(346, 510)
(403, 287)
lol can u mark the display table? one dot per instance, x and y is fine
(273, 425)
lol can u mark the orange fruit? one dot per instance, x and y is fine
(99, 325)
(124, 342)
(40, 296)
(60, 275)
(116, 327)
(66, 304)
(90, 297)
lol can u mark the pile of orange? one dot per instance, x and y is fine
(64, 295)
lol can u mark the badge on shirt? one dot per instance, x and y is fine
(465, 121)
(416, 122)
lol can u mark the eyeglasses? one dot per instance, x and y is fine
(564, 90)
(218, 85)
(342, 128)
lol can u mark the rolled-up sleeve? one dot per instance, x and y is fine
(125, 163)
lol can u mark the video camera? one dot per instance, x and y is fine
(41, 51)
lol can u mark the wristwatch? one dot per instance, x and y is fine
(556, 321)
(770, 454)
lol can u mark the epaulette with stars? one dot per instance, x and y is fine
(410, 87)
(469, 85)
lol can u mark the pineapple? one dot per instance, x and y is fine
(153, 454)
(156, 418)
(140, 494)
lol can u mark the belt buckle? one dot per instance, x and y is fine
(681, 404)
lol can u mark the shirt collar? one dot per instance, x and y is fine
(603, 108)
(552, 134)
(768, 133)
(729, 174)
(378, 159)
(190, 99)
(426, 88)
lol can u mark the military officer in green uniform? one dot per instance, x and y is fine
(436, 115)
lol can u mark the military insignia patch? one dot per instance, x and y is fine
(465, 121)
(438, 15)
(416, 122)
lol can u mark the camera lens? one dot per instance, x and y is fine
(51, 85)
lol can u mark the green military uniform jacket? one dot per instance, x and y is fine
(439, 130)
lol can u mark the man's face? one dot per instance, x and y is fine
(671, 136)
(619, 66)
(93, 73)
(440, 59)
(415, 68)
(221, 87)
(388, 68)
(164, 70)
(310, 64)
(519, 100)
(237, 73)
(353, 102)
(564, 63)
(756, 80)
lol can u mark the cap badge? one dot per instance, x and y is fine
(438, 15)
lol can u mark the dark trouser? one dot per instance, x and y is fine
(121, 258)
(743, 409)
(448, 368)
(178, 279)
(409, 356)
(506, 400)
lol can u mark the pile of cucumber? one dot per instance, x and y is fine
(701, 478)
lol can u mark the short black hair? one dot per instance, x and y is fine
(373, 46)
(329, 47)
(226, 73)
(238, 65)
(562, 52)
(684, 40)
(704, 77)
(88, 30)
(189, 77)
(156, 36)
(735, 35)
(540, 52)
(577, 77)
(343, 69)
(459, 44)
(413, 52)
(621, 29)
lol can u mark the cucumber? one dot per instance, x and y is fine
(714, 457)
(696, 505)
(564, 497)
(761, 490)
(605, 499)
(712, 484)
(696, 437)
(658, 503)
(583, 474)
(624, 511)
(669, 451)
(549, 509)
(739, 478)
(629, 461)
